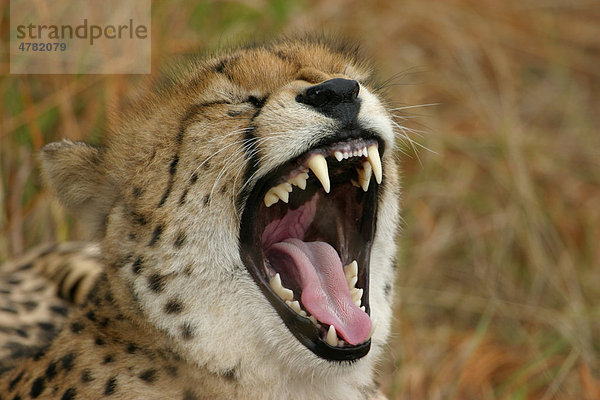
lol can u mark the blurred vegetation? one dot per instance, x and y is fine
(498, 288)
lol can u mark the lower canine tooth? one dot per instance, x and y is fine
(332, 339)
(318, 166)
(375, 160)
(373, 326)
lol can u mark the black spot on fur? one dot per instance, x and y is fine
(132, 348)
(180, 240)
(46, 326)
(149, 375)
(132, 236)
(163, 199)
(67, 361)
(136, 267)
(12, 280)
(9, 310)
(12, 384)
(173, 307)
(183, 196)
(139, 218)
(104, 322)
(111, 386)
(194, 178)
(137, 191)
(29, 305)
(206, 200)
(60, 310)
(220, 67)
(187, 331)
(86, 375)
(20, 332)
(108, 359)
(39, 355)
(77, 327)
(17, 397)
(25, 267)
(91, 316)
(156, 235)
(156, 283)
(99, 342)
(51, 371)
(69, 394)
(37, 387)
(173, 166)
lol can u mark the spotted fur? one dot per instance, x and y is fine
(174, 313)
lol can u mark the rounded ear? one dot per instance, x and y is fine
(76, 173)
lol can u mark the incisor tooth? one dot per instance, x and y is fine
(351, 269)
(318, 166)
(332, 339)
(373, 157)
(364, 176)
(338, 155)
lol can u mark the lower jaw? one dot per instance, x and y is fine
(302, 329)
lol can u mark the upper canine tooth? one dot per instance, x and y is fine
(318, 166)
(373, 157)
(364, 175)
(332, 339)
(338, 155)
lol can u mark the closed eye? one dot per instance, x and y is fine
(256, 102)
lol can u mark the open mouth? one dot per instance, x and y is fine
(306, 235)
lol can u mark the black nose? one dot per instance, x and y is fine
(330, 93)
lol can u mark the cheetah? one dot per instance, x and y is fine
(246, 210)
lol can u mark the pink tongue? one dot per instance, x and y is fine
(325, 293)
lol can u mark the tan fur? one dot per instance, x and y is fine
(175, 315)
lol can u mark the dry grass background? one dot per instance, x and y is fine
(498, 288)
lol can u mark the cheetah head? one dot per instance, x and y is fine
(247, 207)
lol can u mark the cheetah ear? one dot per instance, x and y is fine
(76, 173)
